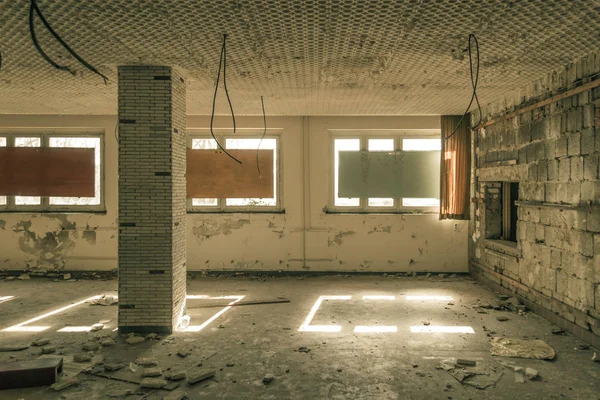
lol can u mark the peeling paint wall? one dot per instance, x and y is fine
(305, 237)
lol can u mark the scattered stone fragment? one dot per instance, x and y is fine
(415, 365)
(48, 349)
(531, 373)
(134, 340)
(502, 318)
(221, 326)
(153, 383)
(503, 297)
(176, 395)
(338, 370)
(90, 346)
(426, 323)
(107, 342)
(462, 361)
(66, 276)
(199, 376)
(105, 321)
(304, 349)
(152, 336)
(97, 327)
(113, 366)
(13, 347)
(151, 372)
(582, 346)
(64, 383)
(519, 375)
(450, 303)
(176, 375)
(24, 277)
(516, 347)
(596, 357)
(41, 342)
(82, 357)
(268, 379)
(146, 361)
(230, 365)
(183, 353)
(558, 331)
(442, 275)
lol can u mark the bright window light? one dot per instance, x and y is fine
(343, 145)
(87, 143)
(252, 144)
(429, 298)
(306, 327)
(198, 328)
(421, 144)
(380, 145)
(6, 298)
(423, 202)
(376, 297)
(22, 328)
(441, 329)
(376, 329)
(28, 142)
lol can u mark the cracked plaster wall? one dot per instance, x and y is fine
(302, 238)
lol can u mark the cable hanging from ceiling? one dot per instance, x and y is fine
(263, 135)
(34, 8)
(223, 64)
(474, 73)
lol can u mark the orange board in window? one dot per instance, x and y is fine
(47, 171)
(212, 174)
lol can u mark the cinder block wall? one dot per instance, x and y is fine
(152, 204)
(556, 264)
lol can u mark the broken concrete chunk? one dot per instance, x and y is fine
(465, 362)
(90, 346)
(502, 318)
(268, 379)
(519, 376)
(97, 327)
(41, 342)
(531, 373)
(134, 340)
(183, 353)
(48, 349)
(24, 277)
(513, 347)
(151, 372)
(304, 349)
(146, 361)
(176, 395)
(107, 342)
(176, 375)
(153, 383)
(152, 336)
(199, 376)
(558, 331)
(596, 357)
(64, 383)
(105, 321)
(13, 347)
(66, 276)
(105, 300)
(82, 357)
(113, 366)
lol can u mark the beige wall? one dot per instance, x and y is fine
(303, 238)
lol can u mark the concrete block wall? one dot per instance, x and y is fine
(553, 153)
(152, 214)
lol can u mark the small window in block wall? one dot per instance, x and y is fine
(3, 199)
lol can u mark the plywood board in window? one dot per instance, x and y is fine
(409, 174)
(212, 174)
(34, 171)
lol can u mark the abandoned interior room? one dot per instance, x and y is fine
(299, 199)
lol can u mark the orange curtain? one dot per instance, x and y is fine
(455, 168)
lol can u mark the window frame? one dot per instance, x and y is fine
(45, 135)
(364, 136)
(222, 135)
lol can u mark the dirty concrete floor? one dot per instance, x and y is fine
(245, 343)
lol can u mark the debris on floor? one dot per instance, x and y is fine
(521, 348)
(64, 383)
(41, 342)
(558, 331)
(304, 349)
(105, 300)
(520, 372)
(196, 376)
(21, 374)
(268, 379)
(477, 377)
(176, 395)
(134, 340)
(502, 318)
(14, 347)
(596, 357)
(153, 383)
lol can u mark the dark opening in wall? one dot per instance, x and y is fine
(501, 210)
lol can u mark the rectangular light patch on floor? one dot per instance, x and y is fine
(441, 329)
(429, 298)
(372, 297)
(6, 298)
(307, 327)
(198, 328)
(376, 329)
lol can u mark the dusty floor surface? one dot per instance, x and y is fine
(244, 344)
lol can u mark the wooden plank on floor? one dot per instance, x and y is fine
(23, 374)
(212, 174)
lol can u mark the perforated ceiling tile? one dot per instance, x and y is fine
(306, 57)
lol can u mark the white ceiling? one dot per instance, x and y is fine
(319, 57)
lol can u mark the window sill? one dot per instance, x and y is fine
(57, 211)
(402, 212)
(217, 212)
(504, 247)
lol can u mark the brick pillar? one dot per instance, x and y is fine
(152, 199)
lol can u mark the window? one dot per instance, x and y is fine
(240, 204)
(387, 143)
(501, 211)
(37, 203)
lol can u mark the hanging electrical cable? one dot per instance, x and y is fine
(212, 114)
(225, 80)
(474, 83)
(34, 7)
(263, 135)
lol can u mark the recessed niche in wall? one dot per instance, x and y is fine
(501, 211)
